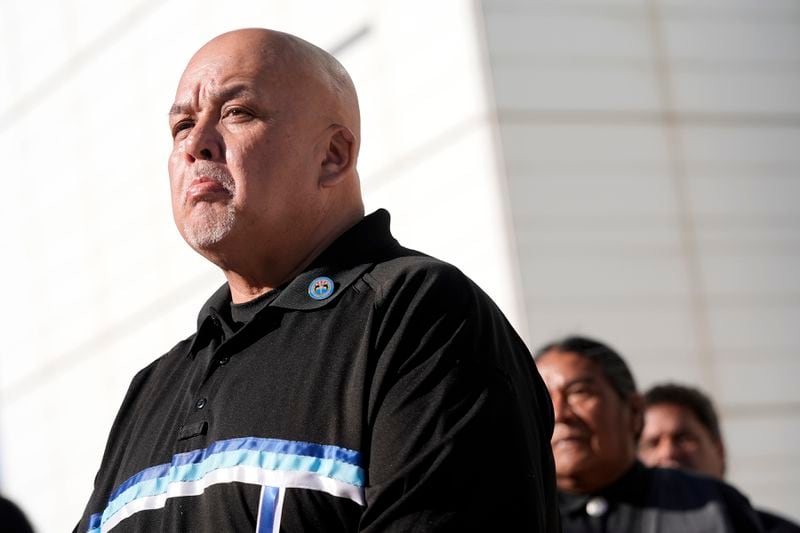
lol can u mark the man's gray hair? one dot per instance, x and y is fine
(612, 364)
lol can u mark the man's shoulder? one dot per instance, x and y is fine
(410, 269)
(692, 484)
(170, 359)
(774, 523)
(12, 518)
(694, 490)
(390, 269)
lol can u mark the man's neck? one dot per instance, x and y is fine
(590, 482)
(242, 292)
(256, 274)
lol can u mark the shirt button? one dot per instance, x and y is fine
(224, 361)
(200, 403)
(597, 506)
(215, 321)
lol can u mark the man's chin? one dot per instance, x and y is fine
(571, 461)
(205, 238)
(207, 232)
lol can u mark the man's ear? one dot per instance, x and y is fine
(340, 156)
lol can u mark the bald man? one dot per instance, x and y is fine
(337, 381)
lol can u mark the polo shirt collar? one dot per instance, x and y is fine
(344, 261)
(626, 486)
(349, 256)
(214, 305)
(210, 317)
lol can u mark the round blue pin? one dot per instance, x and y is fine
(320, 288)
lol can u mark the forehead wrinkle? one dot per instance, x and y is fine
(231, 92)
(581, 380)
(185, 105)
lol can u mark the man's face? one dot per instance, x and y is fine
(674, 438)
(594, 435)
(244, 161)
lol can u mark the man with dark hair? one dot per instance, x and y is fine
(337, 382)
(682, 430)
(602, 486)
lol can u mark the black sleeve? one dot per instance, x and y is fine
(776, 524)
(12, 519)
(99, 495)
(458, 442)
(742, 515)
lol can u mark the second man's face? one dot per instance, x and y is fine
(674, 438)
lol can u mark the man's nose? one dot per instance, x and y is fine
(204, 142)
(669, 451)
(562, 409)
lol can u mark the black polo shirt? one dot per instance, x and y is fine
(774, 523)
(380, 390)
(654, 500)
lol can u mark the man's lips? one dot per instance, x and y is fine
(566, 440)
(204, 188)
(672, 463)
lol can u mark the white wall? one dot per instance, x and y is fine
(97, 281)
(652, 168)
(653, 163)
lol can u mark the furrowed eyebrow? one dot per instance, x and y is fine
(234, 91)
(178, 109)
(588, 380)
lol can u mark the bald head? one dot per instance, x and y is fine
(266, 133)
(325, 77)
(309, 72)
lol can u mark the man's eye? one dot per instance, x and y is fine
(180, 126)
(236, 112)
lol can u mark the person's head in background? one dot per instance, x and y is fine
(598, 412)
(681, 430)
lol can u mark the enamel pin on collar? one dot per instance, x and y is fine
(320, 288)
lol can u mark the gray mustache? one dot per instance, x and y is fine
(209, 170)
